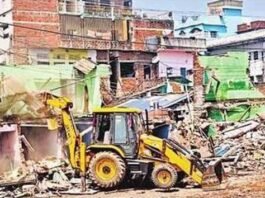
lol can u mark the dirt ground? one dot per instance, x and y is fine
(244, 185)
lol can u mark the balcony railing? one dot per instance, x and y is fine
(93, 10)
(108, 11)
(235, 3)
(188, 44)
(86, 43)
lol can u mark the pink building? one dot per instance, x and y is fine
(174, 62)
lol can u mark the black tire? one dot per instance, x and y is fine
(164, 176)
(107, 170)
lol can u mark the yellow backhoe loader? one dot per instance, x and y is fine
(122, 148)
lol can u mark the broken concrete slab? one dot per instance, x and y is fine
(240, 129)
(30, 179)
(77, 191)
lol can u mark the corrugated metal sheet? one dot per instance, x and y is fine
(71, 23)
(94, 27)
(152, 102)
(100, 25)
(85, 66)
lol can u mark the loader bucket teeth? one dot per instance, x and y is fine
(213, 177)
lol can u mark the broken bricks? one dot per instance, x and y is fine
(250, 135)
(44, 178)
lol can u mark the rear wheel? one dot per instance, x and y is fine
(107, 170)
(164, 176)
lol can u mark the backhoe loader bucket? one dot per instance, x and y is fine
(213, 176)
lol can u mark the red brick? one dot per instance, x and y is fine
(143, 29)
(42, 15)
(36, 17)
(261, 88)
(36, 5)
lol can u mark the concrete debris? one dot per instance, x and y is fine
(240, 144)
(18, 102)
(248, 138)
(240, 129)
(78, 192)
(46, 178)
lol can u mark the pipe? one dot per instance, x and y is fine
(147, 120)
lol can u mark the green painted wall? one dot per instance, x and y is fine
(226, 80)
(236, 114)
(51, 78)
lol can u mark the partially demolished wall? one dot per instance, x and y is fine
(40, 143)
(22, 107)
(10, 148)
(229, 93)
(81, 86)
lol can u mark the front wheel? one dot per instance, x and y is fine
(107, 170)
(164, 176)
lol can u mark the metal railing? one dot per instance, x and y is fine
(86, 43)
(236, 3)
(110, 11)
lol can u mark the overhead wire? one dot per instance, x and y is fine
(38, 45)
(79, 36)
(133, 8)
(87, 37)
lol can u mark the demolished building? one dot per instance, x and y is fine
(82, 87)
(228, 88)
(22, 109)
(232, 112)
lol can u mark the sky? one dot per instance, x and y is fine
(251, 7)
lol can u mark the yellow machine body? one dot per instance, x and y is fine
(148, 149)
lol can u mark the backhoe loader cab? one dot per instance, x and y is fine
(121, 127)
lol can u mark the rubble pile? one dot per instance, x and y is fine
(48, 177)
(240, 144)
(248, 138)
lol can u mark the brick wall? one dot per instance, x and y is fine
(36, 5)
(136, 55)
(118, 2)
(38, 15)
(129, 85)
(254, 25)
(133, 56)
(140, 60)
(261, 88)
(142, 29)
(198, 82)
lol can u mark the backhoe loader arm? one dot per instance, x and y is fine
(179, 157)
(76, 148)
(176, 158)
(64, 105)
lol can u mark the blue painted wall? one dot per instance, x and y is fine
(232, 12)
(220, 29)
(216, 28)
(224, 25)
